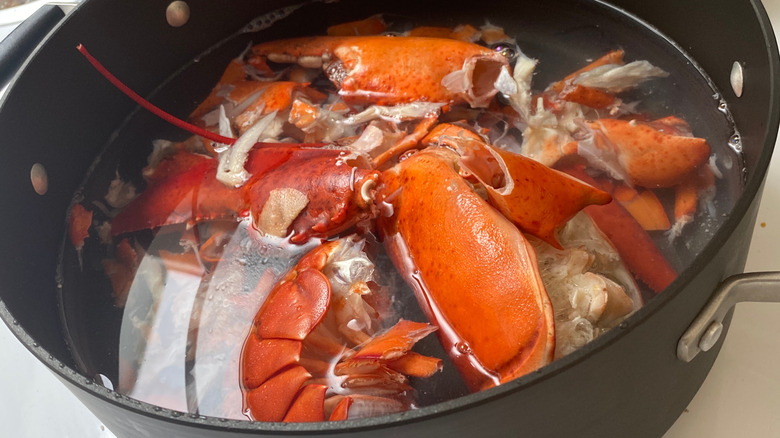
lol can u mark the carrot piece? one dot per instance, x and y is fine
(685, 197)
(644, 206)
(649, 212)
(624, 193)
(634, 245)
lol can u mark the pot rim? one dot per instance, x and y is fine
(751, 189)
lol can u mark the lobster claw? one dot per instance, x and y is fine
(536, 198)
(334, 192)
(387, 70)
(452, 247)
(655, 154)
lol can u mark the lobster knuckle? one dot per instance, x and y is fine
(279, 211)
(333, 192)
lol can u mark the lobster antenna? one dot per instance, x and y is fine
(189, 127)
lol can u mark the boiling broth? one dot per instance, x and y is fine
(175, 341)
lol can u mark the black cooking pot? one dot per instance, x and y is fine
(633, 381)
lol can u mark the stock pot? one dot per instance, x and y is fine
(634, 381)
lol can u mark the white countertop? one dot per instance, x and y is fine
(740, 398)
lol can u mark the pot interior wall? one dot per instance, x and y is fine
(56, 125)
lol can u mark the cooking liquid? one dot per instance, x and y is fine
(175, 340)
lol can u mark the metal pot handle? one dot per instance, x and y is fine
(706, 329)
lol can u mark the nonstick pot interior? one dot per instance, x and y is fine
(60, 114)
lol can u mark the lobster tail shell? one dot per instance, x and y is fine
(299, 360)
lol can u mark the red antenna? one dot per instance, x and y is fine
(196, 130)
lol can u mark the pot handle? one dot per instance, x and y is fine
(706, 329)
(18, 45)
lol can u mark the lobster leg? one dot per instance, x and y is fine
(481, 288)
